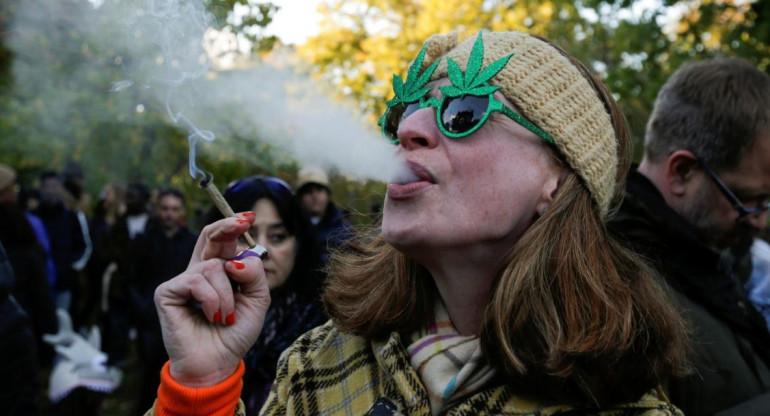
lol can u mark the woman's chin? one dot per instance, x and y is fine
(403, 239)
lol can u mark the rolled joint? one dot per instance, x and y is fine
(219, 201)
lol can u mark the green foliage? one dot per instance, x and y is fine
(255, 17)
(362, 42)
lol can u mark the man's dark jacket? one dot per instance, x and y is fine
(67, 243)
(731, 343)
(155, 258)
(19, 389)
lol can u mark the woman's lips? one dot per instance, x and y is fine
(417, 179)
(405, 191)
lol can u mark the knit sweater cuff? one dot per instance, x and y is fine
(221, 399)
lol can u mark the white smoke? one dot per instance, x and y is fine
(158, 50)
(290, 111)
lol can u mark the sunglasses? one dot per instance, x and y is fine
(743, 211)
(456, 117)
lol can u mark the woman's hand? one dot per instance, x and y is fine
(205, 347)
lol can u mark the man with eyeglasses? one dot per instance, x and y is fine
(699, 195)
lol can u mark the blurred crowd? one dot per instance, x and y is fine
(79, 277)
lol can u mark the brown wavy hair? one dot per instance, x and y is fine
(574, 316)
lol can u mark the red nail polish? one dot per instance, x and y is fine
(248, 214)
(242, 220)
(230, 319)
(238, 265)
(217, 317)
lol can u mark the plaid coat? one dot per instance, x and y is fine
(329, 372)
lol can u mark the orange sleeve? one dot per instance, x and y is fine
(175, 399)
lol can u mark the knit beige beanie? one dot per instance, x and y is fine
(550, 92)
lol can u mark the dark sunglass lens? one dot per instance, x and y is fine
(461, 114)
(396, 115)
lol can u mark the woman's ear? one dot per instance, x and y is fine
(550, 188)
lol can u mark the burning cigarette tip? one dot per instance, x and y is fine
(206, 181)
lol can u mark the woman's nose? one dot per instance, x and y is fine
(419, 130)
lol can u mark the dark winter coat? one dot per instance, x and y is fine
(67, 243)
(30, 287)
(19, 389)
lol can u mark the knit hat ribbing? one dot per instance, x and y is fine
(552, 93)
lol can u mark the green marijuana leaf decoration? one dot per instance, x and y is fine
(414, 88)
(473, 82)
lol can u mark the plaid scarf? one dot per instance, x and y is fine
(449, 364)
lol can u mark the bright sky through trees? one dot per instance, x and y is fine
(295, 21)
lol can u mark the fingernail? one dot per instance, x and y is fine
(217, 317)
(238, 264)
(230, 319)
(248, 214)
(242, 220)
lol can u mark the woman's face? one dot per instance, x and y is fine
(269, 231)
(485, 188)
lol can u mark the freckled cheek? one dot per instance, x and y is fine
(491, 192)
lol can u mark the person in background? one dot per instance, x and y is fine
(64, 231)
(701, 189)
(19, 385)
(73, 180)
(137, 213)
(11, 192)
(108, 209)
(26, 256)
(331, 227)
(492, 285)
(161, 252)
(29, 199)
(291, 270)
(128, 226)
(79, 201)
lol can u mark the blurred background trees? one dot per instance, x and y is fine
(56, 74)
(632, 44)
